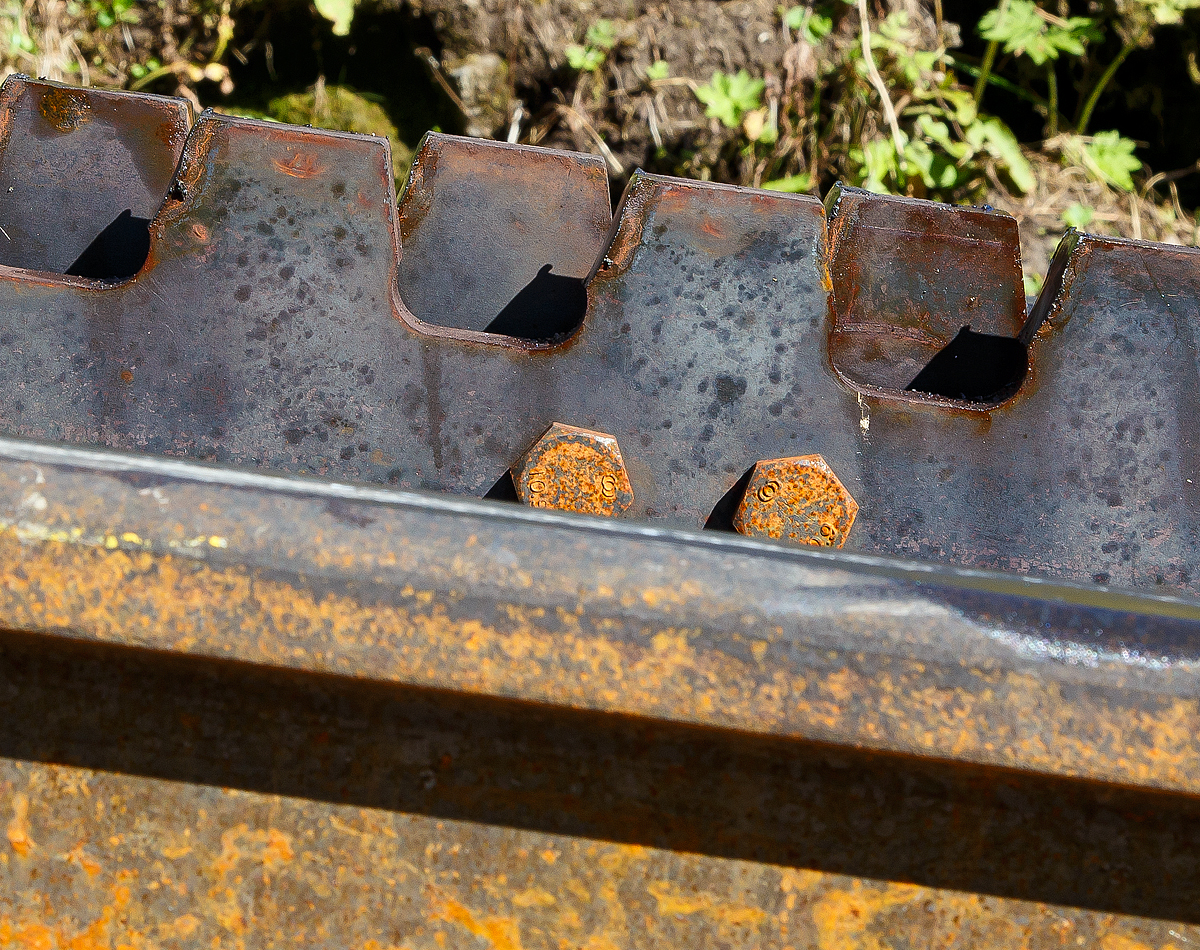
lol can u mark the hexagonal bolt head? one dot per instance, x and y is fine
(574, 470)
(796, 498)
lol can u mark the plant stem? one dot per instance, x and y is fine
(1051, 100)
(1085, 114)
(998, 81)
(889, 113)
(989, 57)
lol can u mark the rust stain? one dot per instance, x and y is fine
(180, 927)
(1119, 942)
(65, 109)
(533, 897)
(842, 917)
(638, 897)
(301, 165)
(671, 902)
(81, 858)
(96, 936)
(268, 846)
(574, 469)
(800, 499)
(58, 576)
(18, 827)
(501, 933)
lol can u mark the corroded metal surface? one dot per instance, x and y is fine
(501, 237)
(72, 160)
(908, 275)
(239, 708)
(573, 469)
(368, 715)
(800, 499)
(267, 329)
(712, 630)
(168, 864)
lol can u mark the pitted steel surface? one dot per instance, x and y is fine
(72, 161)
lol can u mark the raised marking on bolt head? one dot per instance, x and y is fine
(796, 498)
(537, 481)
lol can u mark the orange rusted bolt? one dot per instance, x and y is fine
(796, 498)
(574, 469)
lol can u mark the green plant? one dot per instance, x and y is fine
(1140, 20)
(728, 98)
(1107, 157)
(658, 70)
(1078, 216)
(1024, 29)
(810, 24)
(944, 140)
(793, 184)
(601, 37)
(110, 14)
(139, 70)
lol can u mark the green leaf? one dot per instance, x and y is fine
(728, 98)
(602, 35)
(1023, 30)
(878, 162)
(817, 27)
(963, 102)
(792, 184)
(1016, 27)
(939, 134)
(1108, 158)
(659, 69)
(584, 58)
(1078, 216)
(994, 137)
(339, 12)
(814, 26)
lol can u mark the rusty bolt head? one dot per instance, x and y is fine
(574, 470)
(796, 498)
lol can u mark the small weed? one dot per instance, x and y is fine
(110, 14)
(792, 184)
(338, 12)
(1107, 157)
(659, 69)
(601, 37)
(728, 98)
(810, 24)
(1078, 216)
